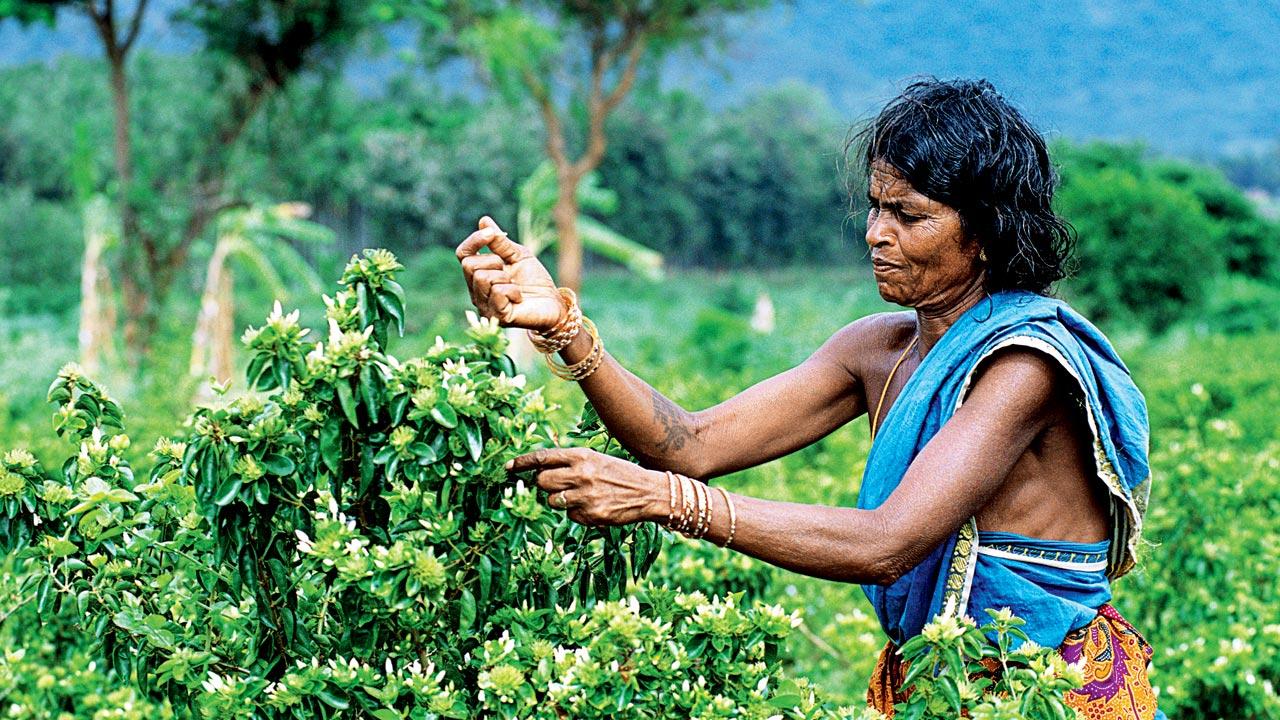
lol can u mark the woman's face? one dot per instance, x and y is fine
(919, 252)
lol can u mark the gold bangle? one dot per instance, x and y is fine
(564, 331)
(706, 528)
(697, 509)
(671, 512)
(582, 369)
(686, 502)
(733, 517)
(702, 522)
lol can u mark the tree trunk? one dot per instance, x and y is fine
(97, 308)
(222, 355)
(565, 215)
(136, 302)
(212, 342)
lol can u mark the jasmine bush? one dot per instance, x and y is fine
(345, 542)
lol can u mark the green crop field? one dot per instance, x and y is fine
(1204, 595)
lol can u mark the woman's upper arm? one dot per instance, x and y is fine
(787, 411)
(962, 467)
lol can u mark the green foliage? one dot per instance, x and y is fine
(951, 663)
(1207, 595)
(755, 185)
(46, 282)
(1147, 250)
(350, 544)
(1156, 235)
(1252, 243)
(27, 11)
(1241, 305)
(693, 566)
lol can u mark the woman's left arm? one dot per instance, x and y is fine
(953, 477)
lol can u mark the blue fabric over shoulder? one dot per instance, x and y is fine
(1117, 415)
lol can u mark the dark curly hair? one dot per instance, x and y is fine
(960, 143)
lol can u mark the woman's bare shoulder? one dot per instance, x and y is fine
(863, 341)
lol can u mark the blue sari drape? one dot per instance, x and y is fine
(1117, 416)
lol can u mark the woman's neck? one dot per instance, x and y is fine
(933, 319)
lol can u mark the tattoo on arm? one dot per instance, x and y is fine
(671, 418)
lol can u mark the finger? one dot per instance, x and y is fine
(472, 263)
(556, 480)
(503, 299)
(499, 244)
(564, 500)
(501, 305)
(545, 458)
(474, 243)
(484, 280)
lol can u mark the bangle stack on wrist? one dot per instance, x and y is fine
(691, 514)
(560, 336)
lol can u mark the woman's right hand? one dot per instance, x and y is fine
(509, 283)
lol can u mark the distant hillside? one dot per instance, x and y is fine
(1185, 75)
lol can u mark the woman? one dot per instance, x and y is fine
(1009, 461)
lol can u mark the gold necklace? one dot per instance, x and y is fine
(875, 418)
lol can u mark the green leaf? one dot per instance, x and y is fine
(466, 610)
(278, 464)
(42, 594)
(227, 491)
(426, 454)
(362, 304)
(398, 406)
(58, 392)
(392, 306)
(332, 700)
(258, 367)
(347, 401)
(369, 393)
(475, 443)
(331, 444)
(782, 702)
(484, 572)
(393, 287)
(385, 454)
(283, 372)
(444, 414)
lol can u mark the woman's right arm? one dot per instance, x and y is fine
(768, 420)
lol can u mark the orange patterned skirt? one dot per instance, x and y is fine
(1115, 672)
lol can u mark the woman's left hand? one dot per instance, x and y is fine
(594, 488)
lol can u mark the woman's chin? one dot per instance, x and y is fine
(889, 292)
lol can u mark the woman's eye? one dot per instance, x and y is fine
(906, 218)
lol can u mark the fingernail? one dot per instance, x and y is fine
(510, 464)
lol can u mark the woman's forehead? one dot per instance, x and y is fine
(887, 182)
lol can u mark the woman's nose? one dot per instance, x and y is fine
(879, 231)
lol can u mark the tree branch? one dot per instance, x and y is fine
(105, 25)
(600, 105)
(551, 119)
(135, 24)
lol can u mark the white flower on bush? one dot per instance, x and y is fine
(503, 386)
(451, 369)
(20, 459)
(947, 625)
